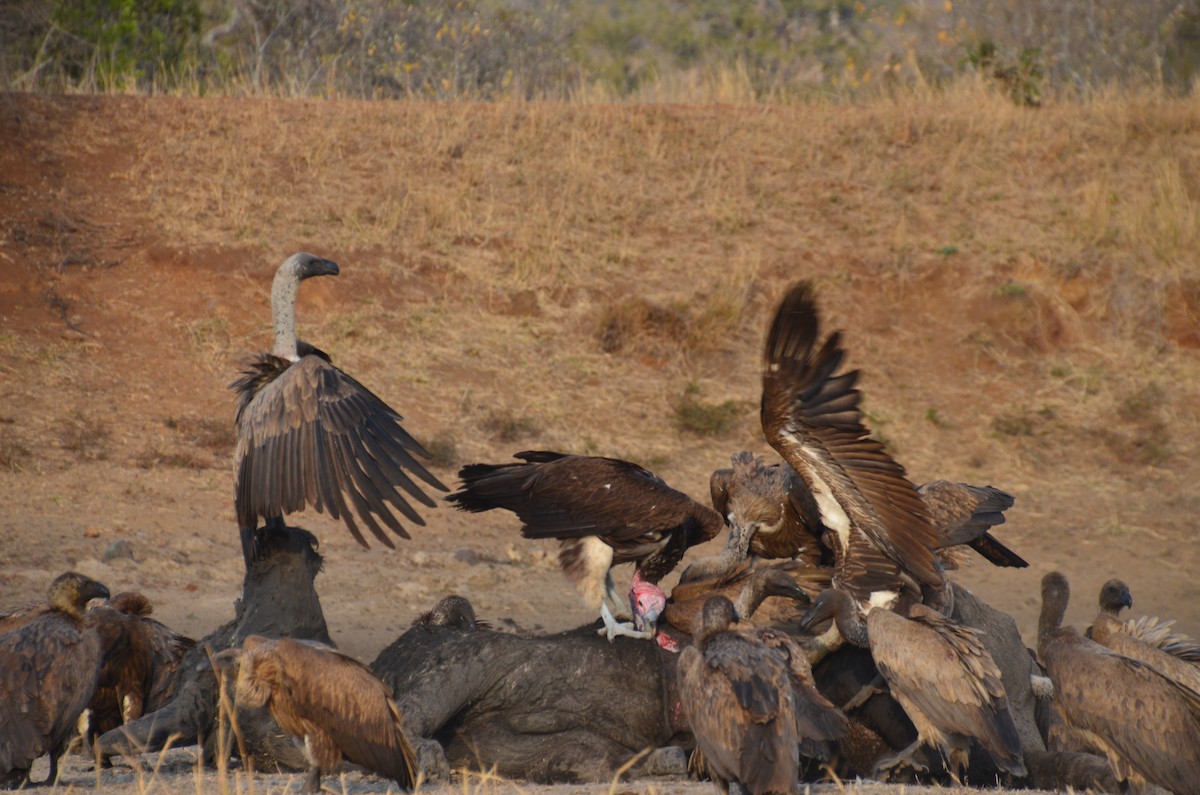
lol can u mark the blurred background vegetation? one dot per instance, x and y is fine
(734, 50)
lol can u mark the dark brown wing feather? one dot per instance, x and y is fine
(965, 513)
(343, 698)
(311, 436)
(562, 496)
(944, 669)
(811, 416)
(1143, 719)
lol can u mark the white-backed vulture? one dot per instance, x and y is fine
(604, 512)
(48, 672)
(940, 673)
(308, 435)
(883, 540)
(747, 705)
(1147, 724)
(1149, 631)
(330, 703)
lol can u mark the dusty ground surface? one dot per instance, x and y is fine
(1018, 288)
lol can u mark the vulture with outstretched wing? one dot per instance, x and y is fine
(330, 703)
(940, 673)
(1147, 724)
(308, 435)
(49, 667)
(604, 512)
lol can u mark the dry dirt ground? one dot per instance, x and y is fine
(1019, 289)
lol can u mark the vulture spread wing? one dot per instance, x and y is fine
(310, 435)
(810, 414)
(314, 688)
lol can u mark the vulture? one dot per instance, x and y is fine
(772, 514)
(452, 611)
(749, 587)
(1147, 724)
(330, 703)
(141, 659)
(1110, 631)
(749, 704)
(604, 512)
(1158, 633)
(940, 673)
(308, 435)
(48, 672)
(883, 538)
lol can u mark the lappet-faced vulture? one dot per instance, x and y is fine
(48, 673)
(308, 435)
(883, 540)
(749, 711)
(1147, 724)
(941, 674)
(331, 705)
(604, 512)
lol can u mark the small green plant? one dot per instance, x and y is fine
(1011, 290)
(703, 418)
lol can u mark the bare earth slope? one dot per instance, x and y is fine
(1019, 287)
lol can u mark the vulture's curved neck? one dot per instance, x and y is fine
(851, 624)
(283, 313)
(1054, 608)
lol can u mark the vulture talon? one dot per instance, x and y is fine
(612, 628)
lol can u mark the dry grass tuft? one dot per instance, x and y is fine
(15, 455)
(86, 436)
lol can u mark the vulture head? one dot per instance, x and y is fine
(718, 615)
(647, 601)
(828, 604)
(1115, 595)
(294, 270)
(71, 592)
(452, 611)
(303, 265)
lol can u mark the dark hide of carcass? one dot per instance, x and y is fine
(564, 708)
(278, 600)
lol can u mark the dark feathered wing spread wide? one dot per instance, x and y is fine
(310, 435)
(810, 414)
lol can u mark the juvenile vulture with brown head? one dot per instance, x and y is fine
(1147, 724)
(308, 435)
(884, 543)
(331, 705)
(940, 673)
(604, 512)
(48, 673)
(141, 659)
(749, 708)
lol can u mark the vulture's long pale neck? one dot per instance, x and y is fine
(851, 624)
(283, 312)
(1055, 595)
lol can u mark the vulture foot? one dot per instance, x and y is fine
(312, 781)
(1042, 687)
(670, 760)
(901, 759)
(612, 628)
(876, 686)
(431, 761)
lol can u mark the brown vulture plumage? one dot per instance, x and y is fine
(1147, 724)
(141, 659)
(330, 703)
(308, 435)
(48, 673)
(883, 539)
(940, 673)
(603, 511)
(782, 589)
(964, 515)
(452, 611)
(749, 706)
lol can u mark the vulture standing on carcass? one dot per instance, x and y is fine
(48, 673)
(330, 703)
(141, 659)
(749, 707)
(1147, 724)
(940, 673)
(603, 511)
(310, 435)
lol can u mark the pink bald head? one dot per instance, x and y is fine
(647, 601)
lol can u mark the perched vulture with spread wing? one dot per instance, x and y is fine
(330, 703)
(141, 659)
(308, 435)
(1157, 633)
(940, 673)
(884, 542)
(749, 706)
(604, 512)
(1147, 724)
(48, 673)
